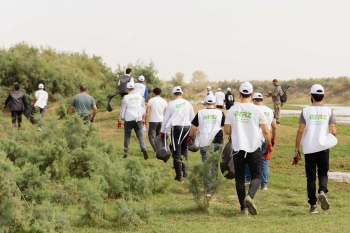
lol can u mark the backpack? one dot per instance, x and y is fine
(283, 97)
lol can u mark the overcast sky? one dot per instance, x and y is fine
(227, 39)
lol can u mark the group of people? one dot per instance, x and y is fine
(248, 124)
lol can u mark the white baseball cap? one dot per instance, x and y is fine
(219, 89)
(209, 87)
(177, 89)
(258, 96)
(210, 99)
(317, 89)
(246, 88)
(142, 78)
(41, 85)
(130, 85)
(228, 89)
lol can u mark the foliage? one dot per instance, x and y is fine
(199, 76)
(178, 79)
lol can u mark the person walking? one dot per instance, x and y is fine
(210, 137)
(209, 92)
(18, 100)
(141, 87)
(277, 91)
(123, 81)
(177, 122)
(220, 98)
(318, 122)
(83, 104)
(41, 98)
(243, 122)
(229, 99)
(271, 123)
(155, 111)
(133, 114)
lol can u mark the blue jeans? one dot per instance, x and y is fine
(42, 112)
(264, 168)
(203, 151)
(137, 126)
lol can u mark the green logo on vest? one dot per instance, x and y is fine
(243, 114)
(210, 117)
(317, 117)
(134, 98)
(180, 105)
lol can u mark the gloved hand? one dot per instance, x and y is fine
(119, 124)
(296, 158)
(5, 106)
(273, 141)
(267, 152)
(143, 122)
(161, 135)
(189, 138)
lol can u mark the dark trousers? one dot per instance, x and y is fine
(16, 115)
(178, 148)
(241, 158)
(321, 161)
(153, 131)
(137, 127)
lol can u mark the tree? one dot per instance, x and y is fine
(199, 76)
(178, 80)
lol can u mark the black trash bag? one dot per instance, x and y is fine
(191, 145)
(109, 97)
(31, 112)
(162, 150)
(226, 165)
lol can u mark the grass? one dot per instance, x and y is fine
(283, 208)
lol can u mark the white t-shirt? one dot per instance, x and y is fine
(41, 98)
(220, 97)
(269, 117)
(158, 106)
(209, 121)
(317, 137)
(245, 120)
(178, 112)
(133, 107)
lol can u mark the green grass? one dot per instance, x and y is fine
(283, 208)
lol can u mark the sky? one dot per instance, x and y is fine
(226, 39)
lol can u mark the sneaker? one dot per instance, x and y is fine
(247, 183)
(244, 211)
(145, 155)
(208, 194)
(39, 128)
(278, 123)
(125, 155)
(184, 173)
(250, 204)
(178, 179)
(313, 209)
(324, 203)
(264, 188)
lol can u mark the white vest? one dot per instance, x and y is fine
(317, 137)
(269, 118)
(245, 126)
(209, 121)
(140, 88)
(134, 109)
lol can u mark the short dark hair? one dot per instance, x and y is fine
(83, 88)
(245, 95)
(177, 93)
(157, 91)
(318, 97)
(275, 80)
(128, 70)
(258, 99)
(17, 86)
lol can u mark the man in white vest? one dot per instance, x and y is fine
(243, 122)
(177, 122)
(271, 124)
(318, 122)
(141, 87)
(210, 136)
(133, 114)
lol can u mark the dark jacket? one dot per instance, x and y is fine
(18, 99)
(123, 81)
(229, 101)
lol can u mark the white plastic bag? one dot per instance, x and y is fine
(144, 130)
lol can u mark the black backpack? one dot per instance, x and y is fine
(283, 97)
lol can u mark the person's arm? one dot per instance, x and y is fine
(166, 118)
(227, 129)
(333, 130)
(24, 100)
(94, 112)
(274, 128)
(122, 110)
(70, 110)
(118, 83)
(299, 135)
(148, 110)
(266, 133)
(193, 131)
(7, 100)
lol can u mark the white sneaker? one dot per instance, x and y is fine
(265, 188)
(324, 203)
(250, 204)
(40, 128)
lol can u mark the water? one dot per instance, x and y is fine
(341, 112)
